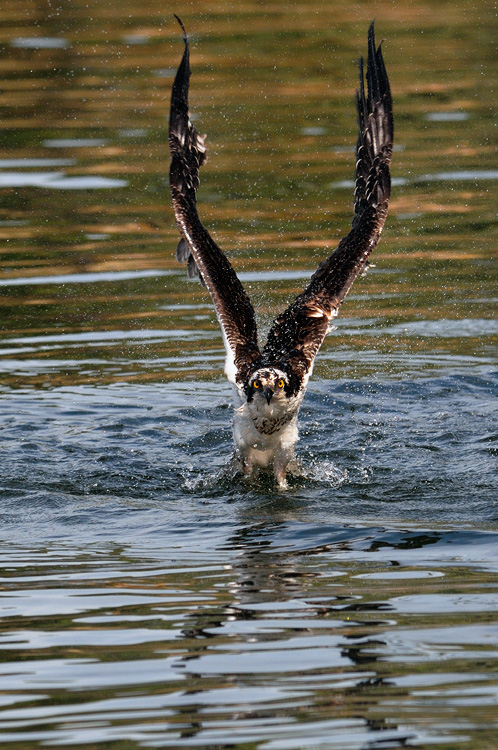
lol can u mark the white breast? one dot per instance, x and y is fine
(265, 434)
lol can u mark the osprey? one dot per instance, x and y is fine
(270, 381)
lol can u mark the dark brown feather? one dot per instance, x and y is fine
(233, 307)
(297, 334)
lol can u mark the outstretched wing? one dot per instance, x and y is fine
(297, 334)
(233, 307)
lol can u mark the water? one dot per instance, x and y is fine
(148, 597)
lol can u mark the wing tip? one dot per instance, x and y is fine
(378, 86)
(185, 38)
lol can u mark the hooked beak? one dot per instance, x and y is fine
(268, 394)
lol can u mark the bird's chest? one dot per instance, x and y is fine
(269, 425)
(263, 427)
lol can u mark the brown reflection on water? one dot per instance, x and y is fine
(85, 94)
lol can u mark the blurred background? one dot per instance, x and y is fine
(90, 288)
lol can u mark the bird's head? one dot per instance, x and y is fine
(266, 384)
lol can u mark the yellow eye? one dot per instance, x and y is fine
(280, 383)
(256, 384)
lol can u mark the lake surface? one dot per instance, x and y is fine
(149, 598)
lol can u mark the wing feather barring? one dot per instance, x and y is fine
(270, 381)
